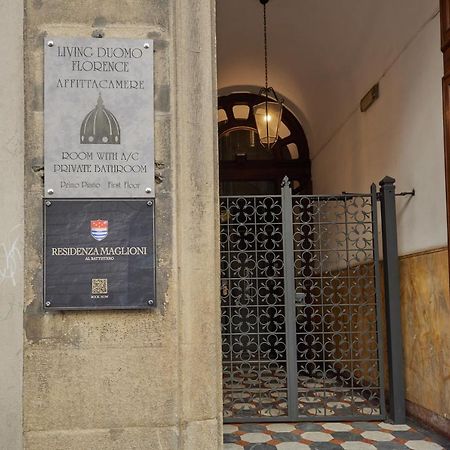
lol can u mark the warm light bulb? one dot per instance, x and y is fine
(268, 118)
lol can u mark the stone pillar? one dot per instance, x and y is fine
(197, 209)
(138, 379)
(11, 224)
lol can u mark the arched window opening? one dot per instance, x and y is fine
(246, 166)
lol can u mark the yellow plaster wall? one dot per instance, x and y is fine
(426, 329)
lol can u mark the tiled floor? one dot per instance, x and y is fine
(246, 395)
(330, 436)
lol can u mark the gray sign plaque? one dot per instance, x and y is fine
(99, 254)
(99, 118)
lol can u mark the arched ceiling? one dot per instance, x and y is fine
(324, 55)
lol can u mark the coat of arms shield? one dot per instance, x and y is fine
(99, 229)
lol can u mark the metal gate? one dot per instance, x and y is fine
(300, 302)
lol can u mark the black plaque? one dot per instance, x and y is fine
(99, 254)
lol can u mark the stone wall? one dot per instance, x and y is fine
(115, 380)
(11, 223)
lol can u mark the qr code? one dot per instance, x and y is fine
(99, 286)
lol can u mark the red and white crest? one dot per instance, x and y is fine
(99, 229)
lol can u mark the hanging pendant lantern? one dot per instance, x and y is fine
(268, 113)
(268, 117)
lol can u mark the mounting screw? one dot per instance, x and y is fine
(146, 45)
(150, 302)
(48, 203)
(48, 303)
(98, 34)
(149, 203)
(50, 192)
(50, 43)
(148, 190)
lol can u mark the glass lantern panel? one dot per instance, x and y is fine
(268, 118)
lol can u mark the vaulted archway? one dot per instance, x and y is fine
(246, 166)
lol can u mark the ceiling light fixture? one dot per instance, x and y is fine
(268, 113)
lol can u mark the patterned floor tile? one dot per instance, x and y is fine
(272, 412)
(330, 436)
(392, 445)
(317, 436)
(423, 445)
(325, 446)
(392, 427)
(321, 412)
(281, 427)
(260, 447)
(411, 435)
(325, 394)
(366, 426)
(255, 438)
(293, 446)
(308, 426)
(244, 406)
(251, 427)
(230, 438)
(357, 446)
(286, 437)
(244, 396)
(232, 447)
(347, 436)
(230, 429)
(369, 411)
(354, 399)
(377, 436)
(309, 400)
(336, 426)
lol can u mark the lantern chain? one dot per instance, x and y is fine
(266, 75)
(265, 48)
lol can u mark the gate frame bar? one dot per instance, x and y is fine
(378, 296)
(289, 299)
(397, 404)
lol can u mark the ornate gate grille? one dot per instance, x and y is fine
(300, 308)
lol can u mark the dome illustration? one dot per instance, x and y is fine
(100, 126)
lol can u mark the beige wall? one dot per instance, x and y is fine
(401, 135)
(11, 224)
(115, 380)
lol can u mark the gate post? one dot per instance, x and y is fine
(392, 301)
(289, 298)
